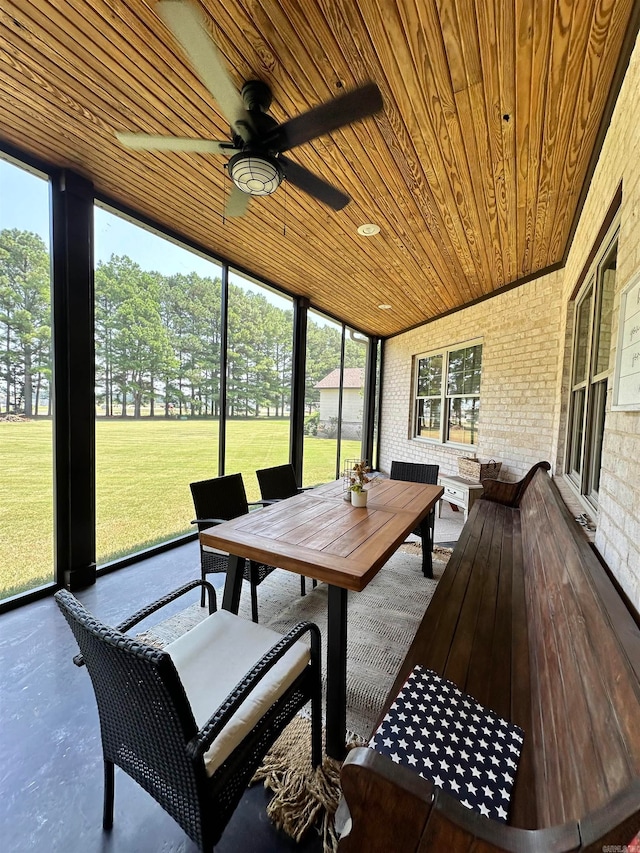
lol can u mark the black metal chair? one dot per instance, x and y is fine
(192, 722)
(276, 484)
(221, 499)
(417, 472)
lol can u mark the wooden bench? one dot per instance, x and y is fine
(525, 619)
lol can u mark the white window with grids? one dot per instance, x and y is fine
(447, 394)
(591, 368)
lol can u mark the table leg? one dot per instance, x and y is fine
(233, 584)
(336, 722)
(427, 547)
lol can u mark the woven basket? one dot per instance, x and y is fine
(473, 469)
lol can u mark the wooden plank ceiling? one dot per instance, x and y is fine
(473, 170)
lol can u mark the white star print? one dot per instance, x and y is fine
(422, 731)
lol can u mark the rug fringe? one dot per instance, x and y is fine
(302, 797)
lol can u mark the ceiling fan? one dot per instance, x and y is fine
(256, 165)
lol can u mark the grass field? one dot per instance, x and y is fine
(143, 471)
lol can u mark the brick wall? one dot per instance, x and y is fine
(618, 523)
(526, 336)
(520, 334)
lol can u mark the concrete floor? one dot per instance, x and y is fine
(51, 766)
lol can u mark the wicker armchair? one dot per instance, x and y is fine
(276, 484)
(416, 472)
(217, 500)
(191, 722)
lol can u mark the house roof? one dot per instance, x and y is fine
(475, 169)
(353, 378)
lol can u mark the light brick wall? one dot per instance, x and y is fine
(521, 334)
(618, 523)
(526, 336)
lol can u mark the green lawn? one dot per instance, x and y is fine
(143, 471)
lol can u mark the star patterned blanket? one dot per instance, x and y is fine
(452, 740)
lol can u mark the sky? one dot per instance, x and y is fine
(24, 204)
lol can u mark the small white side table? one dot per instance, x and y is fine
(460, 492)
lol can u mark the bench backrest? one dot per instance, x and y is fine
(584, 650)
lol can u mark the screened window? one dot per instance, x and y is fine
(259, 357)
(447, 403)
(157, 373)
(26, 369)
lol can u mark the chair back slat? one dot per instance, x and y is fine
(278, 482)
(414, 472)
(220, 497)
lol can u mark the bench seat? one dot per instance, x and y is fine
(527, 621)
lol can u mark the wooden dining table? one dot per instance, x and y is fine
(320, 535)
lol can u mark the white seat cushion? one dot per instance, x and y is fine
(214, 656)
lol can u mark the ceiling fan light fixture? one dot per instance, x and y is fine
(255, 174)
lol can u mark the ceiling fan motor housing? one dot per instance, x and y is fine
(256, 170)
(258, 166)
(256, 96)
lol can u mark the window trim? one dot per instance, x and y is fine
(593, 385)
(444, 396)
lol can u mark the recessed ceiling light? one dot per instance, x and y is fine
(385, 307)
(368, 229)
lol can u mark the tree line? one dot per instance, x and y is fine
(158, 341)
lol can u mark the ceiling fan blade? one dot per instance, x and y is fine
(347, 109)
(313, 185)
(237, 203)
(150, 142)
(188, 25)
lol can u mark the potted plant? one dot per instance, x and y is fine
(358, 479)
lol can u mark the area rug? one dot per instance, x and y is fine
(381, 623)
